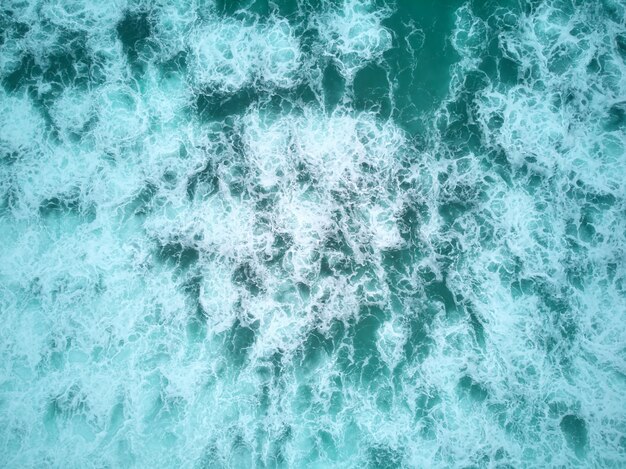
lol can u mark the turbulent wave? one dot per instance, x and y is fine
(313, 234)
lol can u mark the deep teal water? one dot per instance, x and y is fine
(313, 234)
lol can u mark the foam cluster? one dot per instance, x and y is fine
(231, 54)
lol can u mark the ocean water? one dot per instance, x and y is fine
(313, 233)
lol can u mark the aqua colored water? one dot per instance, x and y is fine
(313, 234)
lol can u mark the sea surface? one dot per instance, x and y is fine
(313, 234)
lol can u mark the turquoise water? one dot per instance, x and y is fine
(313, 234)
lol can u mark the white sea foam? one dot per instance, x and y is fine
(354, 35)
(21, 128)
(231, 54)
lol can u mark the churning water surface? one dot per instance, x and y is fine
(313, 233)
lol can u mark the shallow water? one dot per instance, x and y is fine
(332, 233)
